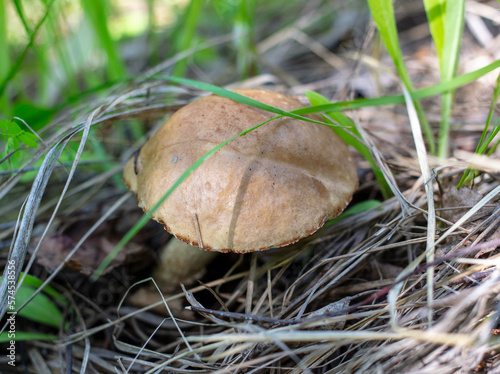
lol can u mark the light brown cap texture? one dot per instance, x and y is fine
(268, 188)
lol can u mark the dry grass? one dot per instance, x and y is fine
(358, 296)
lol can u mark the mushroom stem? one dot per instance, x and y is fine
(181, 263)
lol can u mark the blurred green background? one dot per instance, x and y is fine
(56, 52)
(58, 55)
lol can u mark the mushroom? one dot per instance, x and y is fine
(268, 188)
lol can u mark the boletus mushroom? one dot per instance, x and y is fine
(266, 189)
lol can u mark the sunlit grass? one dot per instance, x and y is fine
(383, 14)
(446, 19)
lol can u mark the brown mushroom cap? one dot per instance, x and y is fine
(266, 189)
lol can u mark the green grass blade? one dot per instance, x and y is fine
(44, 75)
(469, 174)
(30, 280)
(5, 107)
(453, 26)
(40, 309)
(239, 98)
(96, 11)
(41, 58)
(5, 337)
(434, 90)
(490, 114)
(187, 34)
(455, 82)
(358, 208)
(388, 100)
(383, 14)
(444, 129)
(55, 38)
(494, 101)
(347, 125)
(446, 20)
(489, 139)
(244, 38)
(435, 10)
(17, 64)
(152, 39)
(20, 14)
